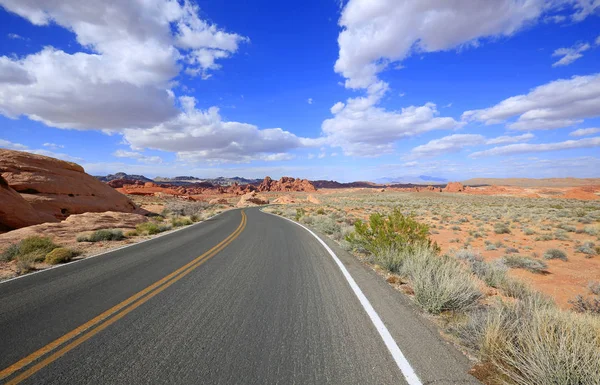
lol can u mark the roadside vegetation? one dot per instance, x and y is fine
(518, 334)
(35, 250)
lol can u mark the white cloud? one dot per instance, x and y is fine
(377, 32)
(21, 147)
(446, 145)
(585, 131)
(100, 87)
(53, 146)
(198, 135)
(510, 139)
(570, 54)
(522, 148)
(598, 40)
(361, 128)
(12, 146)
(137, 156)
(309, 101)
(14, 36)
(560, 103)
(311, 156)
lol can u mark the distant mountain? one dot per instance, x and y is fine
(220, 181)
(333, 184)
(421, 179)
(122, 175)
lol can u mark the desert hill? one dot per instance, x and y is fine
(531, 182)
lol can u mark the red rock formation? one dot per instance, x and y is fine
(286, 184)
(16, 212)
(118, 183)
(58, 188)
(454, 187)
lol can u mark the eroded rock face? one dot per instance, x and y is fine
(57, 188)
(16, 212)
(252, 199)
(454, 187)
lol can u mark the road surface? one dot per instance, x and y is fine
(243, 298)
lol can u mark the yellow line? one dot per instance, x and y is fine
(153, 289)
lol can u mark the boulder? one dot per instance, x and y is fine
(252, 199)
(218, 201)
(454, 187)
(57, 188)
(16, 212)
(312, 199)
(67, 230)
(284, 200)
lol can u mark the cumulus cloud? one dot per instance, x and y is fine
(361, 128)
(197, 135)
(510, 139)
(585, 131)
(560, 103)
(570, 54)
(101, 87)
(137, 156)
(309, 101)
(377, 32)
(21, 147)
(522, 148)
(446, 145)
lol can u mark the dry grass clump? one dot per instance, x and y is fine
(59, 255)
(527, 263)
(531, 342)
(150, 228)
(555, 254)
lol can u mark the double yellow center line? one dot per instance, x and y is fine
(89, 329)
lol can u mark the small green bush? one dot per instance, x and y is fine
(527, 263)
(34, 248)
(59, 255)
(394, 230)
(102, 235)
(182, 221)
(501, 228)
(150, 228)
(10, 253)
(555, 254)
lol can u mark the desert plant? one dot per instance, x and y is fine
(181, 221)
(527, 263)
(588, 248)
(35, 248)
(150, 228)
(59, 255)
(555, 254)
(585, 305)
(501, 228)
(102, 235)
(10, 253)
(594, 287)
(396, 229)
(440, 283)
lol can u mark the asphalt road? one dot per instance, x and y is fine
(243, 298)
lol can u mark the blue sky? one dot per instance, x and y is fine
(358, 90)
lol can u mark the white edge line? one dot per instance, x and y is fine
(115, 249)
(403, 364)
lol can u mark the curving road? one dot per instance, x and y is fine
(243, 298)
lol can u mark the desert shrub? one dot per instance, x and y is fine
(455, 228)
(440, 283)
(527, 263)
(10, 253)
(511, 250)
(34, 249)
(561, 235)
(501, 228)
(320, 211)
(183, 208)
(591, 230)
(544, 237)
(195, 218)
(585, 305)
(131, 233)
(326, 225)
(532, 342)
(102, 235)
(150, 228)
(594, 287)
(568, 228)
(555, 254)
(491, 246)
(59, 255)
(395, 229)
(528, 231)
(588, 248)
(299, 213)
(181, 221)
(390, 259)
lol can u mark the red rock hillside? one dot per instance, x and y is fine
(52, 188)
(286, 184)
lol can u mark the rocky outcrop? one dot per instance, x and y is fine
(312, 199)
(286, 184)
(218, 201)
(16, 212)
(453, 187)
(57, 188)
(67, 230)
(252, 199)
(284, 200)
